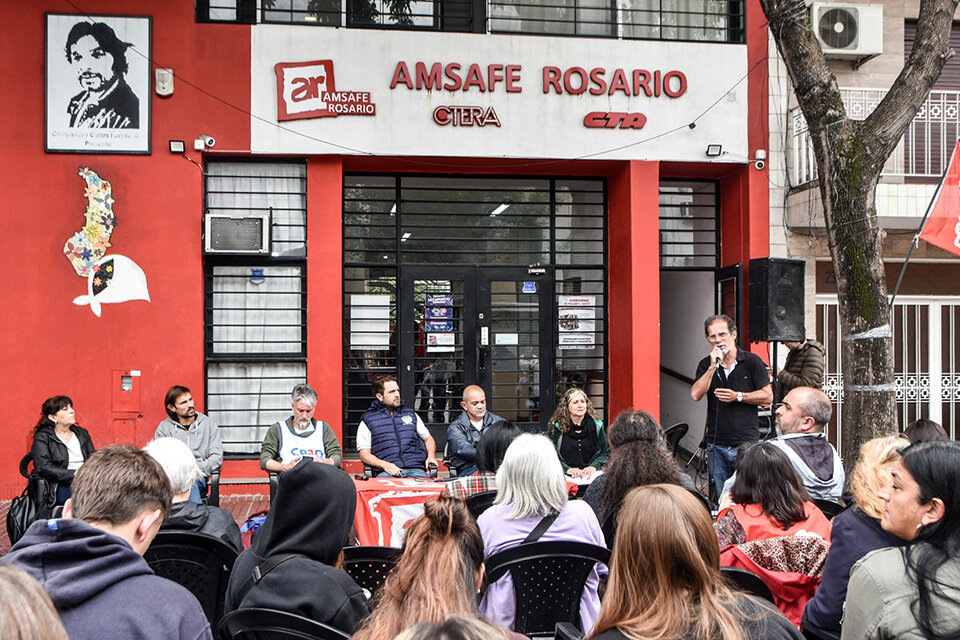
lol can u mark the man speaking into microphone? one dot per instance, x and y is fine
(735, 383)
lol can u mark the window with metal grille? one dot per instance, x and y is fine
(255, 306)
(684, 20)
(392, 222)
(689, 224)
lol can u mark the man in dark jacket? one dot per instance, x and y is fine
(803, 367)
(180, 466)
(310, 517)
(90, 562)
(464, 433)
(392, 437)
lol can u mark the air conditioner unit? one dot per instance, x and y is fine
(848, 30)
(246, 234)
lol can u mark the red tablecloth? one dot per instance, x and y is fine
(385, 506)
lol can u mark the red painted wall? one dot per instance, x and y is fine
(51, 346)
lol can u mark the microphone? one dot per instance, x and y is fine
(718, 358)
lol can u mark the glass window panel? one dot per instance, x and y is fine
(257, 310)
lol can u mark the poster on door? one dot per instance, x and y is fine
(438, 322)
(577, 322)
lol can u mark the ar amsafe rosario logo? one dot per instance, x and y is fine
(307, 90)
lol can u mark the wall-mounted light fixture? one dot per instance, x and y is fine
(177, 146)
(714, 150)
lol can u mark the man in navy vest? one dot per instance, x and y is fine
(392, 437)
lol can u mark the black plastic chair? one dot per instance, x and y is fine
(830, 508)
(813, 633)
(747, 581)
(213, 490)
(451, 469)
(25, 463)
(370, 566)
(548, 582)
(274, 483)
(200, 562)
(703, 500)
(373, 471)
(480, 502)
(673, 435)
(269, 624)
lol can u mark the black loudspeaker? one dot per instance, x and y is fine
(776, 300)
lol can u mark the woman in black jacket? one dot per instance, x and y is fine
(60, 446)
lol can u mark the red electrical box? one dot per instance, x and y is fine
(126, 391)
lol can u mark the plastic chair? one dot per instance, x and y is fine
(373, 471)
(548, 582)
(269, 624)
(370, 566)
(673, 435)
(747, 581)
(830, 508)
(197, 561)
(452, 470)
(813, 633)
(703, 500)
(213, 490)
(480, 502)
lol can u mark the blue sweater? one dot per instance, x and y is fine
(854, 535)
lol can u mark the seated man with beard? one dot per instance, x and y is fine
(299, 436)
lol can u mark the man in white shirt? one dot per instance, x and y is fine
(391, 437)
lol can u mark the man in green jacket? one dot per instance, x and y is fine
(299, 436)
(803, 367)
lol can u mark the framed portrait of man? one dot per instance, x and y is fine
(97, 84)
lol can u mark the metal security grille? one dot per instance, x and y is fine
(926, 347)
(689, 224)
(255, 339)
(684, 20)
(431, 226)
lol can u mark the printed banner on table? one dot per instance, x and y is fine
(386, 507)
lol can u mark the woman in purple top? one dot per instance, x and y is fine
(530, 486)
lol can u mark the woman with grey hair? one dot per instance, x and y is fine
(181, 468)
(532, 491)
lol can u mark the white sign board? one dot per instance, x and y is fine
(355, 91)
(370, 321)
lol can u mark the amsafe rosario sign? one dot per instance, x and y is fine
(494, 95)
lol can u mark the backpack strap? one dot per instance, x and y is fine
(541, 528)
(261, 570)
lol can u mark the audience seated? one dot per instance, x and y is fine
(90, 562)
(309, 521)
(490, 450)
(577, 432)
(855, 532)
(913, 591)
(437, 576)
(638, 456)
(665, 577)
(773, 530)
(180, 465)
(26, 612)
(531, 488)
(923, 430)
(453, 628)
(768, 500)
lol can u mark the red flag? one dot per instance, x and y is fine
(942, 228)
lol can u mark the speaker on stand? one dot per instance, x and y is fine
(776, 306)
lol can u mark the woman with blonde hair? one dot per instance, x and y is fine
(437, 576)
(531, 495)
(578, 435)
(454, 628)
(856, 532)
(26, 612)
(665, 579)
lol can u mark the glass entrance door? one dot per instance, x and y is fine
(488, 326)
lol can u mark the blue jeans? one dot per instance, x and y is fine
(721, 463)
(197, 491)
(406, 473)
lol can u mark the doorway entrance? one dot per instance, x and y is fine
(488, 326)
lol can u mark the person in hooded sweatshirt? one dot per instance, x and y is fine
(801, 419)
(181, 467)
(90, 562)
(310, 517)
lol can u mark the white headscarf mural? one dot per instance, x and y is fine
(110, 278)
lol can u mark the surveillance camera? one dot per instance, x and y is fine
(759, 164)
(208, 141)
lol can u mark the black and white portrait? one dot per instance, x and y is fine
(98, 84)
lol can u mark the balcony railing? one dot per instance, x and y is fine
(922, 154)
